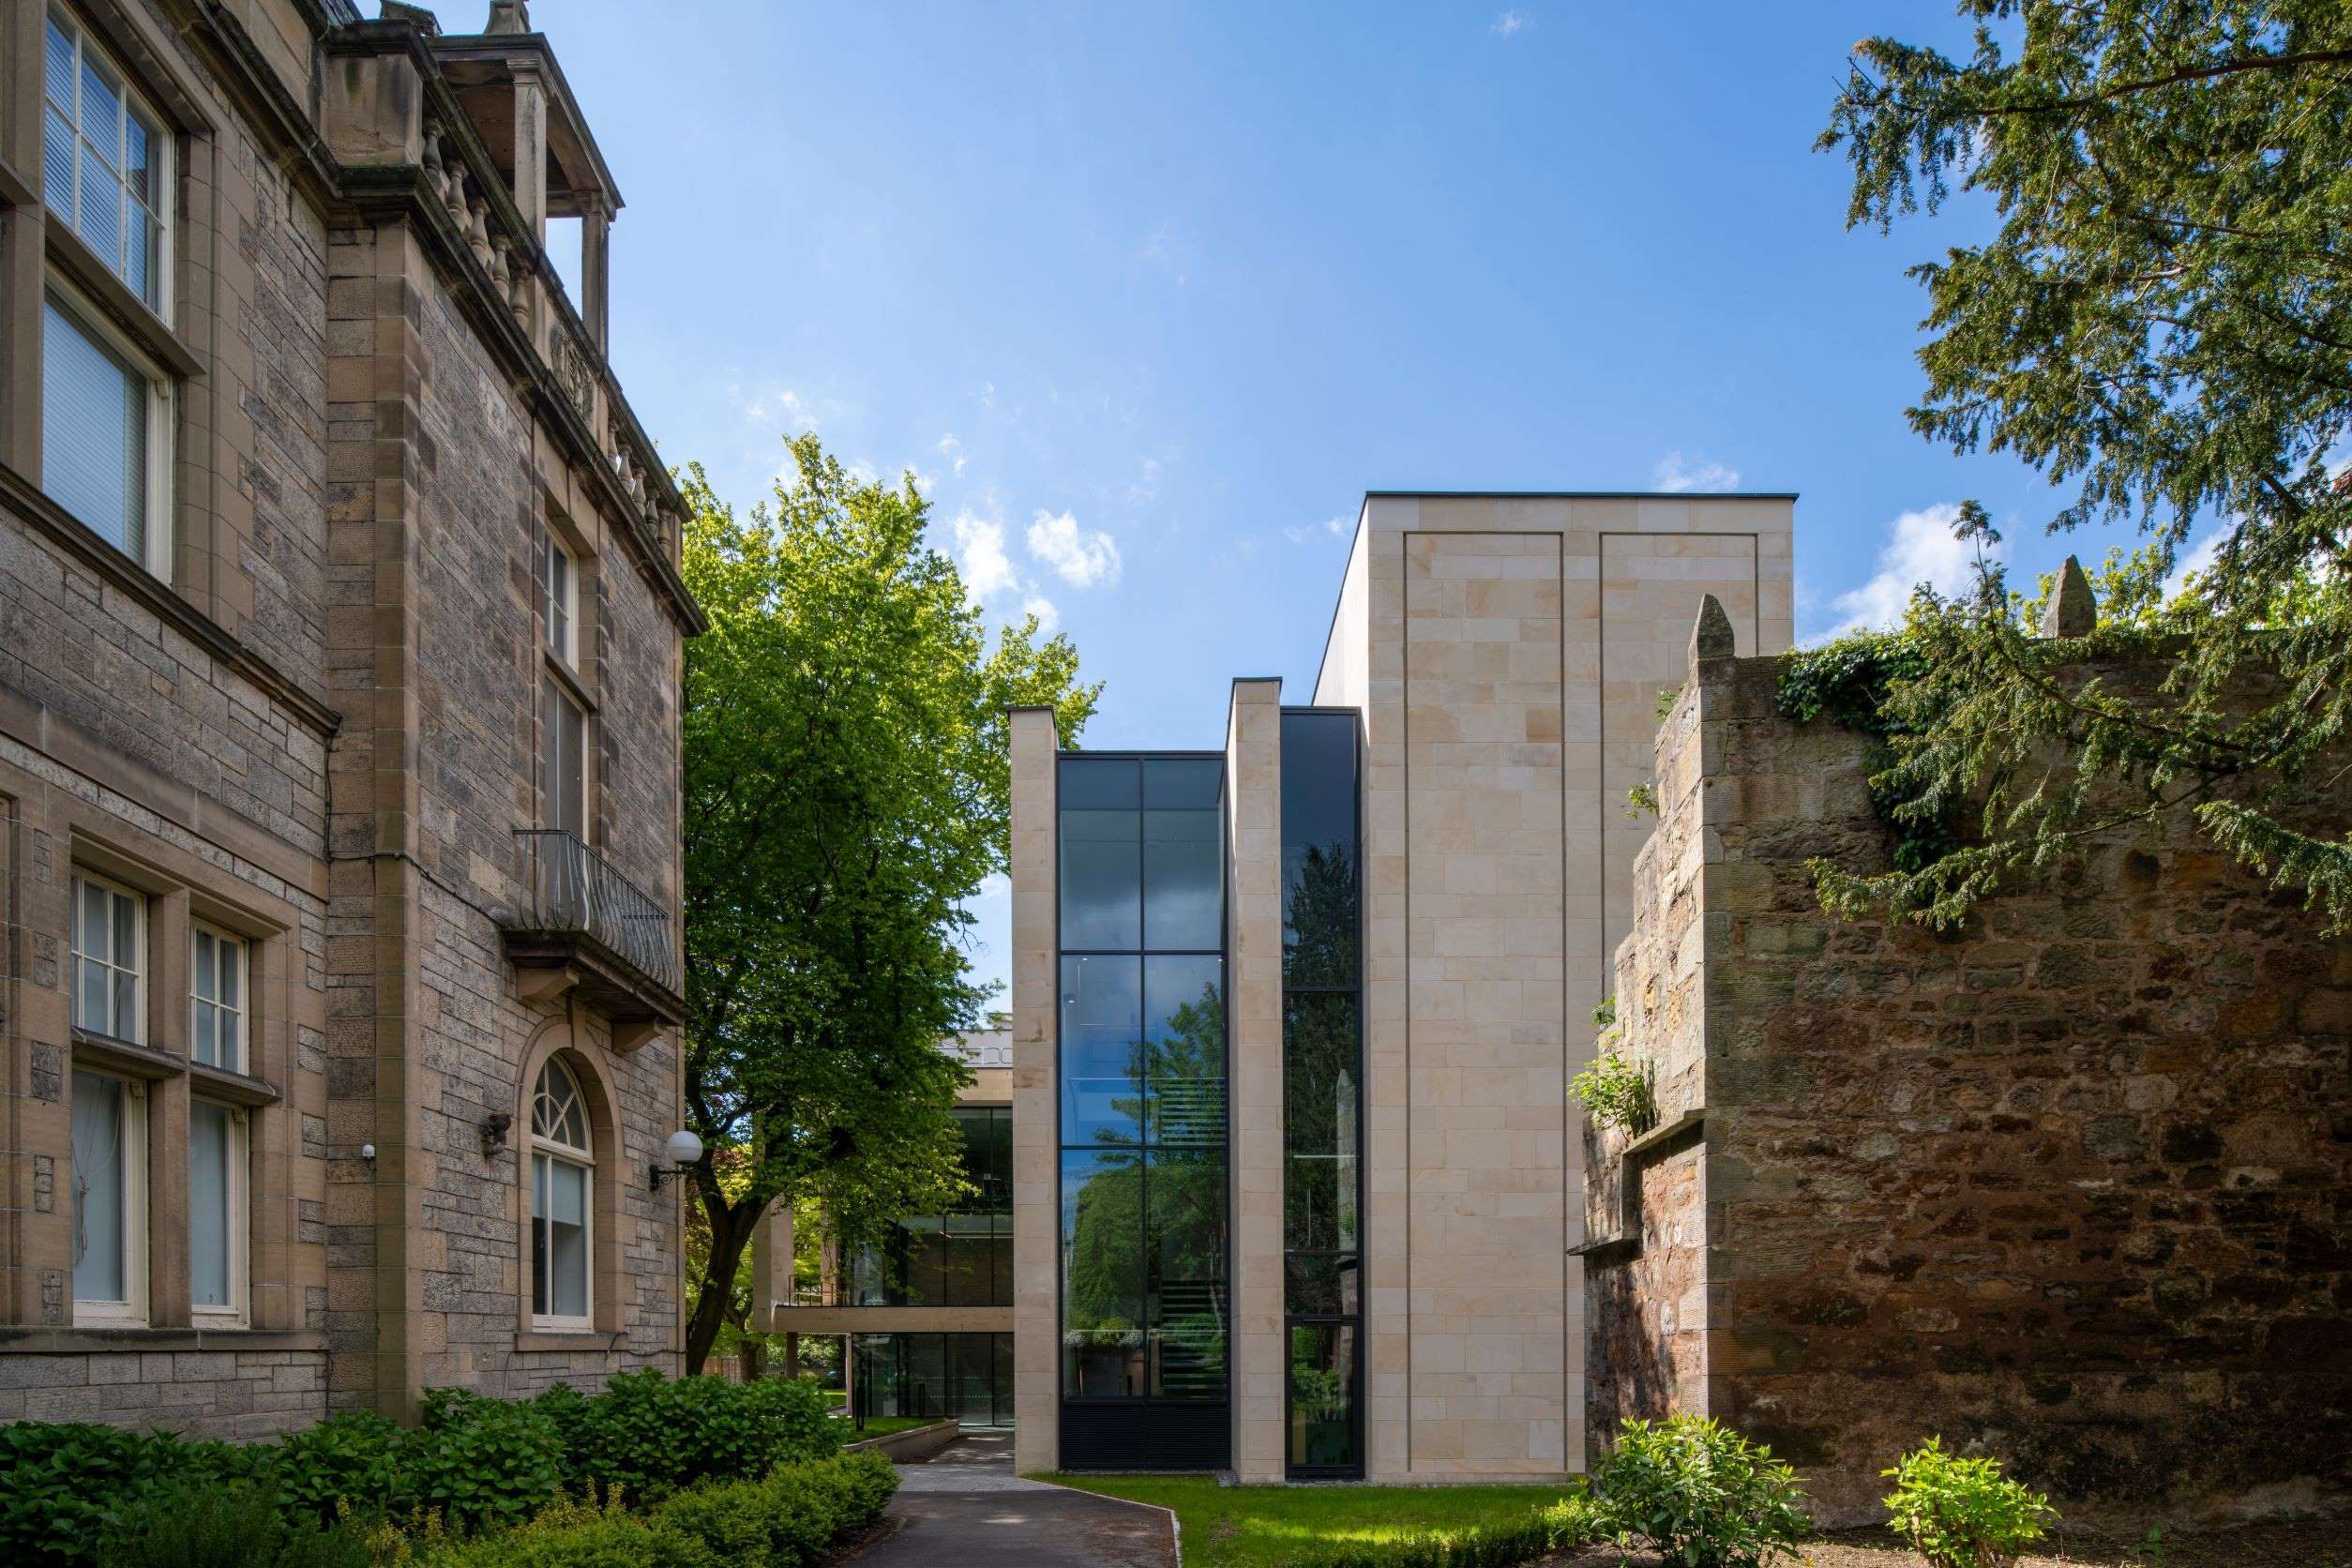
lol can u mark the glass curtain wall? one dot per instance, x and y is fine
(935, 1375)
(1322, 1074)
(963, 1258)
(1143, 1245)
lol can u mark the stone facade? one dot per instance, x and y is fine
(2067, 1185)
(1506, 653)
(315, 722)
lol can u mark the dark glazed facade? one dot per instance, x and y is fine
(1143, 1204)
(1322, 1094)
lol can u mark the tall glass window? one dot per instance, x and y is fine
(1144, 1306)
(963, 1258)
(1322, 1076)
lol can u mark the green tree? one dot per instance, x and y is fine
(2162, 325)
(846, 790)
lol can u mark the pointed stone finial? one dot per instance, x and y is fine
(2072, 610)
(508, 15)
(1712, 636)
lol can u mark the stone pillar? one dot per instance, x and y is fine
(1036, 1281)
(596, 271)
(531, 149)
(1253, 1010)
(377, 1330)
(772, 1263)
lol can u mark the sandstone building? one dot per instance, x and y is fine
(340, 630)
(2068, 1184)
(1295, 1179)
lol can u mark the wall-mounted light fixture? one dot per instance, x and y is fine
(683, 1150)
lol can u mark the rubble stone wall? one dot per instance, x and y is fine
(2067, 1185)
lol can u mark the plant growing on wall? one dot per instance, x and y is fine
(846, 789)
(1617, 1090)
(2162, 323)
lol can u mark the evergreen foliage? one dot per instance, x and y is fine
(2162, 324)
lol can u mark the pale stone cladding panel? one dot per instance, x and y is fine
(1037, 1225)
(1513, 648)
(1253, 993)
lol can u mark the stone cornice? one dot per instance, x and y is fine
(400, 190)
(381, 192)
(127, 578)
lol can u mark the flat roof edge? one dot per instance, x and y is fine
(1578, 495)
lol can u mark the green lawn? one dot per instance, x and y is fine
(1261, 1526)
(883, 1425)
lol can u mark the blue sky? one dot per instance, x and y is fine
(1149, 294)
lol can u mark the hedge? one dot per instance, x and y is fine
(477, 1464)
(793, 1519)
(1553, 1527)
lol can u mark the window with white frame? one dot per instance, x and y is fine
(110, 948)
(563, 1182)
(106, 430)
(216, 1024)
(109, 1170)
(106, 161)
(217, 1224)
(562, 610)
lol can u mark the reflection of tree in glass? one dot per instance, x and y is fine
(1104, 1263)
(1319, 918)
(1319, 1392)
(1162, 1230)
(1319, 1126)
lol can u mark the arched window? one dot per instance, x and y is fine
(563, 1177)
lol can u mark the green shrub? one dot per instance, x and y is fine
(474, 1464)
(1962, 1513)
(480, 1463)
(653, 1436)
(576, 1534)
(793, 1518)
(1699, 1492)
(350, 1461)
(1555, 1528)
(64, 1485)
(238, 1526)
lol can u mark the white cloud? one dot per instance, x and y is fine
(1299, 534)
(1082, 557)
(1510, 22)
(1676, 474)
(2201, 557)
(1920, 548)
(783, 406)
(1042, 607)
(953, 450)
(980, 557)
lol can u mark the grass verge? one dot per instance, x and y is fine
(1266, 1527)
(883, 1425)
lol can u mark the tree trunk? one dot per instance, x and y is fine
(731, 1231)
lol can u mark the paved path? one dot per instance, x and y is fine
(965, 1508)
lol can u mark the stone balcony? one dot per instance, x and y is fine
(582, 925)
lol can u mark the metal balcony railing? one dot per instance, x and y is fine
(569, 890)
